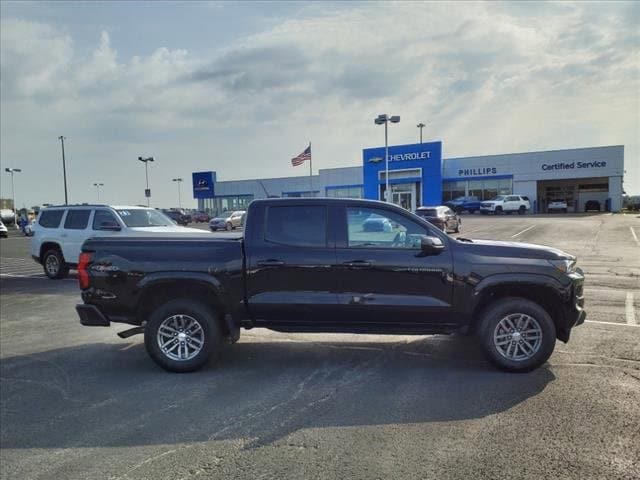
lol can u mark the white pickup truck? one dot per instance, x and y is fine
(506, 204)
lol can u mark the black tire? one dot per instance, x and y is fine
(54, 265)
(522, 210)
(228, 227)
(459, 210)
(213, 336)
(495, 313)
(564, 210)
(497, 211)
(458, 227)
(484, 212)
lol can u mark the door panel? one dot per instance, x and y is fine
(291, 266)
(74, 233)
(384, 275)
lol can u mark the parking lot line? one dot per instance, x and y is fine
(525, 230)
(629, 309)
(619, 324)
(635, 237)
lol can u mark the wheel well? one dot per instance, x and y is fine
(546, 297)
(155, 295)
(46, 246)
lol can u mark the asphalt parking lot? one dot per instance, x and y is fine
(80, 403)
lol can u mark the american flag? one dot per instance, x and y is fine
(304, 156)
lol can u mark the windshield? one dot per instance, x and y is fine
(142, 217)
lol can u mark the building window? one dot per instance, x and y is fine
(490, 188)
(306, 194)
(214, 206)
(344, 192)
(451, 190)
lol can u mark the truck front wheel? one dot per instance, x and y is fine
(516, 334)
(182, 335)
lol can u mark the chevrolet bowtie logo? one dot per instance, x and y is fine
(375, 159)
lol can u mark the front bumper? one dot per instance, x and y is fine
(573, 307)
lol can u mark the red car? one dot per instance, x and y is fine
(201, 217)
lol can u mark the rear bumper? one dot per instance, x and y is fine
(90, 316)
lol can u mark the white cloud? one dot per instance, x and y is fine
(486, 78)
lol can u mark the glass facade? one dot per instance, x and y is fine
(485, 189)
(216, 205)
(344, 192)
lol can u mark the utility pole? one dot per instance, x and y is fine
(178, 181)
(383, 118)
(64, 171)
(421, 126)
(13, 193)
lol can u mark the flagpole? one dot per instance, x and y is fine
(310, 172)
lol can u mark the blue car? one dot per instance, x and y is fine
(461, 204)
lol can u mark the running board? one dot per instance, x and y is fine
(131, 332)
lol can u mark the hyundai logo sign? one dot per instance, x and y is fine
(203, 183)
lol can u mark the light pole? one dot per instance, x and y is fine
(64, 170)
(147, 192)
(98, 185)
(179, 181)
(421, 126)
(13, 193)
(383, 118)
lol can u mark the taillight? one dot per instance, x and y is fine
(83, 272)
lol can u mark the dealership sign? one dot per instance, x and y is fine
(203, 183)
(573, 165)
(477, 172)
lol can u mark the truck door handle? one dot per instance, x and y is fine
(270, 263)
(358, 264)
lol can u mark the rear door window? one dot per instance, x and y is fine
(104, 218)
(50, 218)
(77, 219)
(297, 225)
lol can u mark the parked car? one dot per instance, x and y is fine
(442, 217)
(559, 205)
(506, 204)
(376, 223)
(307, 265)
(7, 216)
(3, 230)
(61, 230)
(591, 205)
(229, 220)
(201, 217)
(178, 216)
(462, 204)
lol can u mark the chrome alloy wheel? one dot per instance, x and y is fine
(52, 264)
(517, 337)
(180, 337)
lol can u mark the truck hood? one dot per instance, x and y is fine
(515, 250)
(166, 229)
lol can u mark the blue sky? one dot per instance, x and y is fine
(242, 87)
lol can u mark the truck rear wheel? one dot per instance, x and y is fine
(522, 210)
(182, 335)
(516, 334)
(497, 211)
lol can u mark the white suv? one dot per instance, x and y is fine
(506, 204)
(60, 231)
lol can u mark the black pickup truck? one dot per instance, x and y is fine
(331, 265)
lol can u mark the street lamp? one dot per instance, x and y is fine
(147, 192)
(64, 170)
(98, 185)
(383, 118)
(421, 126)
(179, 180)
(13, 193)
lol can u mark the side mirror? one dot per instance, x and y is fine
(431, 245)
(110, 227)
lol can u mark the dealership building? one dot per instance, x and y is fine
(418, 175)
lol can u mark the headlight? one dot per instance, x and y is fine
(565, 265)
